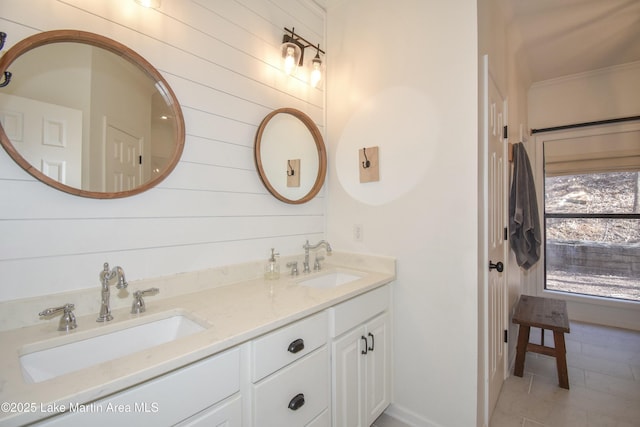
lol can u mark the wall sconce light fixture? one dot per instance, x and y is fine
(292, 49)
(7, 74)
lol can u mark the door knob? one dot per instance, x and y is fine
(498, 266)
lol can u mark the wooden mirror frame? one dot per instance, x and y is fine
(74, 36)
(322, 155)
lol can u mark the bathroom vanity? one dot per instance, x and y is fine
(311, 350)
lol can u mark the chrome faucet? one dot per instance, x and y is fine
(306, 248)
(106, 276)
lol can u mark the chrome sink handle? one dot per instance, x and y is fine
(294, 267)
(68, 319)
(138, 303)
(316, 265)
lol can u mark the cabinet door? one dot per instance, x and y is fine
(348, 379)
(378, 366)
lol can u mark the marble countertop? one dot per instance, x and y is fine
(233, 313)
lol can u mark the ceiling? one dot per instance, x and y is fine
(562, 37)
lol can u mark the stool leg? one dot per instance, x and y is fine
(521, 349)
(561, 359)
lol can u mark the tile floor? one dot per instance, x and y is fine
(604, 376)
(604, 380)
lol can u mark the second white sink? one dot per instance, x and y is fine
(330, 280)
(55, 361)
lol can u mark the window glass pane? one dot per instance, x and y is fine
(606, 286)
(587, 255)
(612, 192)
(603, 230)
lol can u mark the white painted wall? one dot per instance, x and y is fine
(407, 70)
(597, 95)
(221, 57)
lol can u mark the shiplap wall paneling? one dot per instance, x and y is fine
(222, 59)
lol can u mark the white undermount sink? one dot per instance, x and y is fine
(55, 361)
(330, 280)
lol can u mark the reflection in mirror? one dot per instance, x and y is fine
(290, 155)
(88, 116)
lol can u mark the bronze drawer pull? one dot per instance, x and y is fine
(296, 346)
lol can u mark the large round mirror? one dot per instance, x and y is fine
(87, 115)
(290, 155)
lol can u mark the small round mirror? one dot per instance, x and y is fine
(87, 115)
(290, 155)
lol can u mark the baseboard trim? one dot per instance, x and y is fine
(408, 417)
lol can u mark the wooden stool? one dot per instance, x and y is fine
(544, 313)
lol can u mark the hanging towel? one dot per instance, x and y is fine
(524, 221)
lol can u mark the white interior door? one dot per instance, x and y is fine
(48, 136)
(123, 160)
(496, 217)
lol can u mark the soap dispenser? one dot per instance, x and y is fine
(272, 269)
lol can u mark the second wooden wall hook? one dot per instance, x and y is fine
(366, 163)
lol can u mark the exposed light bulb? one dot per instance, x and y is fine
(316, 72)
(290, 60)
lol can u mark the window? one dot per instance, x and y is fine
(592, 234)
(592, 212)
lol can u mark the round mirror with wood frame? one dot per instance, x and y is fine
(86, 94)
(290, 155)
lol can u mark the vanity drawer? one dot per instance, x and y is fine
(358, 310)
(306, 379)
(165, 400)
(322, 420)
(288, 344)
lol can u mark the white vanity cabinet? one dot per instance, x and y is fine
(361, 358)
(203, 393)
(290, 375)
(331, 368)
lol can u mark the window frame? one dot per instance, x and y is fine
(595, 309)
